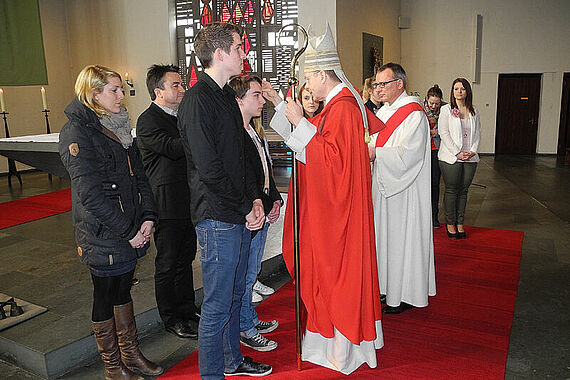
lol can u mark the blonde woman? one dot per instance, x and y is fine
(371, 95)
(113, 213)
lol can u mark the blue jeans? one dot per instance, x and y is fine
(223, 254)
(247, 316)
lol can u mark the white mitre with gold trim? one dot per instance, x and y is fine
(320, 55)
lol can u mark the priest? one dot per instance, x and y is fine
(401, 195)
(339, 287)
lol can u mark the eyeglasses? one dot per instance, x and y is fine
(382, 84)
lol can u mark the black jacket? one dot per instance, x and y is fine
(372, 107)
(257, 168)
(162, 154)
(211, 127)
(110, 193)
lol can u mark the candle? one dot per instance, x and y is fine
(126, 77)
(44, 98)
(2, 104)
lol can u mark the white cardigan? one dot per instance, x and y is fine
(449, 129)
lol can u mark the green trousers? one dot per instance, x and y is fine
(457, 178)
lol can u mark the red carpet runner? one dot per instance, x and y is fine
(34, 208)
(462, 334)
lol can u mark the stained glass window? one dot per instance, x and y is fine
(260, 21)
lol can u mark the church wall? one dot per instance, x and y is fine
(126, 36)
(378, 17)
(24, 103)
(519, 36)
(326, 9)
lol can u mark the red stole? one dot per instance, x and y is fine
(394, 122)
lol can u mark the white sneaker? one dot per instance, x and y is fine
(264, 290)
(256, 297)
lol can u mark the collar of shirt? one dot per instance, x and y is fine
(334, 92)
(168, 110)
(227, 90)
(395, 104)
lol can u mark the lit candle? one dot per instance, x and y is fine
(2, 104)
(126, 77)
(44, 98)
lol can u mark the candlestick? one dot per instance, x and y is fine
(44, 98)
(12, 171)
(127, 81)
(48, 131)
(2, 104)
(46, 112)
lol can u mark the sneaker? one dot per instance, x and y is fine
(250, 368)
(264, 290)
(264, 327)
(258, 342)
(256, 297)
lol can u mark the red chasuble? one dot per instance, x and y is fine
(339, 280)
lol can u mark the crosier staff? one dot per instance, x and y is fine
(293, 82)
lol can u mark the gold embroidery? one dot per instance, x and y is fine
(79, 251)
(74, 149)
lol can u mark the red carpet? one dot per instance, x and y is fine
(462, 334)
(34, 208)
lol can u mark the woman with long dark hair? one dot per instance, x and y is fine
(460, 131)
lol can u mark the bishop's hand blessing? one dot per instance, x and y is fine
(270, 93)
(294, 111)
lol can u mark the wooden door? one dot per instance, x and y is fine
(564, 129)
(517, 113)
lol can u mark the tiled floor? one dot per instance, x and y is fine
(531, 194)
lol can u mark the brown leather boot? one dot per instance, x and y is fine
(128, 342)
(106, 338)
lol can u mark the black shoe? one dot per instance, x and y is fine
(250, 368)
(449, 234)
(258, 342)
(183, 330)
(264, 327)
(191, 324)
(461, 235)
(397, 309)
(436, 224)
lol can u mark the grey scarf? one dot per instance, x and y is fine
(119, 124)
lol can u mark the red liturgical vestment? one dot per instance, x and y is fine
(339, 280)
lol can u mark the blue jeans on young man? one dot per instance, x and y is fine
(247, 316)
(223, 254)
